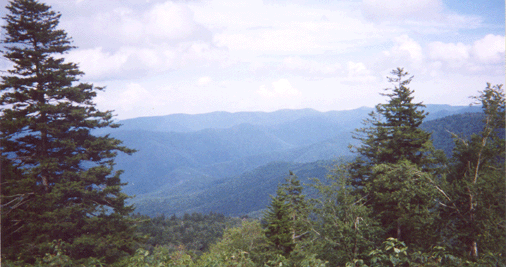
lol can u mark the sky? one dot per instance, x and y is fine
(159, 57)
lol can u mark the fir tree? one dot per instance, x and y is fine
(285, 218)
(392, 132)
(403, 198)
(297, 206)
(393, 137)
(278, 225)
(60, 183)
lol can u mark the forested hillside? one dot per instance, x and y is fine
(169, 167)
(400, 184)
(462, 125)
(233, 196)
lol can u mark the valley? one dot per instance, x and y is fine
(231, 162)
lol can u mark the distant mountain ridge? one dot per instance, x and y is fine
(221, 119)
(195, 154)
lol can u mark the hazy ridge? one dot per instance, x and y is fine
(222, 161)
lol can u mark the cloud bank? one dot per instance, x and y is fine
(158, 57)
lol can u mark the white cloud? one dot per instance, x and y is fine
(132, 61)
(169, 21)
(203, 81)
(327, 51)
(357, 69)
(140, 24)
(96, 63)
(405, 52)
(126, 62)
(357, 74)
(135, 96)
(199, 53)
(421, 16)
(490, 49)
(254, 27)
(280, 88)
(121, 39)
(405, 45)
(463, 21)
(400, 9)
(483, 56)
(449, 51)
(309, 67)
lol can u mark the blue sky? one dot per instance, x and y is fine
(160, 57)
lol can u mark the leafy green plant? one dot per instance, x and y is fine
(161, 257)
(394, 253)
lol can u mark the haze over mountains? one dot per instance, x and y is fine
(231, 162)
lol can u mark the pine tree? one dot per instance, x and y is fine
(474, 199)
(58, 182)
(392, 137)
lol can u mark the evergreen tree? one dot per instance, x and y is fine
(393, 136)
(278, 225)
(284, 220)
(474, 206)
(404, 200)
(392, 132)
(343, 225)
(297, 206)
(59, 184)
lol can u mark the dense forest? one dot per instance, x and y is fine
(398, 201)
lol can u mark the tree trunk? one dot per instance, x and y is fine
(399, 236)
(474, 250)
(473, 246)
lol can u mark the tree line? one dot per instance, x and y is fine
(400, 203)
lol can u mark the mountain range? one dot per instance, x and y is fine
(231, 162)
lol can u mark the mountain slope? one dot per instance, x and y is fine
(159, 153)
(199, 162)
(233, 196)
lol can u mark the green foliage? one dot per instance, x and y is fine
(57, 257)
(248, 246)
(159, 172)
(62, 203)
(279, 225)
(342, 223)
(194, 232)
(393, 254)
(233, 196)
(245, 245)
(237, 259)
(160, 257)
(60, 183)
(404, 200)
(285, 218)
(394, 155)
(392, 132)
(312, 261)
(463, 125)
(473, 206)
